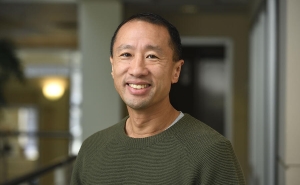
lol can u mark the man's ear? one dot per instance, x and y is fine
(112, 66)
(176, 71)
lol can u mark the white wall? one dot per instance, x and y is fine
(101, 105)
(289, 108)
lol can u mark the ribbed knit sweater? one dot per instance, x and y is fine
(187, 153)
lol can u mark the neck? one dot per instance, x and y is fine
(147, 123)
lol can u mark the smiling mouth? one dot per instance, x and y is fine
(136, 86)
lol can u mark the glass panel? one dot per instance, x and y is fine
(27, 123)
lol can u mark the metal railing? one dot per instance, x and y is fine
(62, 168)
(59, 169)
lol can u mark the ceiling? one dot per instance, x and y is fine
(186, 6)
(53, 23)
(39, 24)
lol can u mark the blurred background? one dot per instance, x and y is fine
(241, 77)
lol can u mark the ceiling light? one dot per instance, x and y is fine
(53, 89)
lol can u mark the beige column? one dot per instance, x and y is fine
(289, 96)
(101, 105)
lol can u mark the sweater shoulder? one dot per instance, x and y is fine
(191, 127)
(196, 136)
(208, 149)
(105, 135)
(89, 150)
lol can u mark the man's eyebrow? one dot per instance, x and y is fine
(124, 46)
(154, 48)
(147, 47)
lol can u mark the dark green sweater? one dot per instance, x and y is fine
(189, 152)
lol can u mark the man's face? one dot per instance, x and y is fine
(142, 65)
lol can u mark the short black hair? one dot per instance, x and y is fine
(157, 20)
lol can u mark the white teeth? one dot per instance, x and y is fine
(138, 86)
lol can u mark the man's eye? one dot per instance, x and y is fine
(151, 56)
(125, 55)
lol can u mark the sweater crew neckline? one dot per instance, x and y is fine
(131, 142)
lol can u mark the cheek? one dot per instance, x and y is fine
(119, 74)
(119, 69)
(163, 74)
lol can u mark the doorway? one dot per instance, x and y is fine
(204, 87)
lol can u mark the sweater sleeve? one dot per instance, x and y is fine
(221, 165)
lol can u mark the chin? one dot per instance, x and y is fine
(137, 105)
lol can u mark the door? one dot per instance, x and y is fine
(202, 88)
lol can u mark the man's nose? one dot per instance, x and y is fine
(138, 67)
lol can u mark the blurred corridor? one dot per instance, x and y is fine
(240, 77)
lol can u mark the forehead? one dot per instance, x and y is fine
(140, 29)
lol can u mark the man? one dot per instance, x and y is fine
(155, 144)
